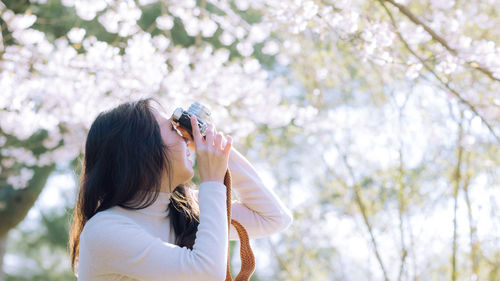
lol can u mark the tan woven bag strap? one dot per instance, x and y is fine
(246, 254)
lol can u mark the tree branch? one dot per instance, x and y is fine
(438, 38)
(282, 263)
(474, 246)
(203, 15)
(362, 208)
(426, 66)
(401, 196)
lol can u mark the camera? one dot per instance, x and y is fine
(181, 118)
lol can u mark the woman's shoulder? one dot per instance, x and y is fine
(114, 214)
(106, 225)
(111, 237)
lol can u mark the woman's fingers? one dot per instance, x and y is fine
(229, 143)
(212, 158)
(213, 138)
(210, 134)
(196, 131)
(218, 141)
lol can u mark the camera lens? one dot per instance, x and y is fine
(201, 112)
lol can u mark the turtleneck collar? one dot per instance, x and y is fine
(159, 207)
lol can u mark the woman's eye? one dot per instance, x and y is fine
(176, 130)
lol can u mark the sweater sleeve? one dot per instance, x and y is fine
(258, 208)
(115, 244)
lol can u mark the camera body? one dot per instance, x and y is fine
(182, 117)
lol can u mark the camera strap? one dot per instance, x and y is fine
(246, 253)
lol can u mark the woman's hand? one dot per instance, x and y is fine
(212, 158)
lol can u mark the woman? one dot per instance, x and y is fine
(137, 216)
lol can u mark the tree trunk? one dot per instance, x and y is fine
(3, 248)
(17, 203)
(456, 182)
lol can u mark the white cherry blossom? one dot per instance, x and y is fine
(165, 22)
(19, 22)
(76, 35)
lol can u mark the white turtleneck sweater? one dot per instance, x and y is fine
(121, 244)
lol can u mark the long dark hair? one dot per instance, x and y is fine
(123, 165)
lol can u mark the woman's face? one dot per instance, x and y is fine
(182, 167)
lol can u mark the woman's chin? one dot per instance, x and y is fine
(190, 169)
(188, 177)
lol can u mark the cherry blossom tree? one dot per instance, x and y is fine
(63, 63)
